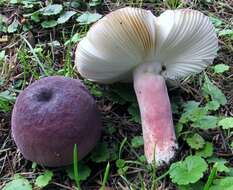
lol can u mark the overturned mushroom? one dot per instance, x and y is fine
(132, 43)
(51, 116)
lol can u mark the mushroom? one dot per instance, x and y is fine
(51, 116)
(132, 44)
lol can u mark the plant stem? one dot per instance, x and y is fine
(211, 177)
(75, 157)
(34, 54)
(106, 175)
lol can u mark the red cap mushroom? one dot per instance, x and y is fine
(51, 116)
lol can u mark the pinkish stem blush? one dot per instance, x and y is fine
(156, 116)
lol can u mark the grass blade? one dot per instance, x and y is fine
(211, 177)
(106, 175)
(34, 54)
(75, 157)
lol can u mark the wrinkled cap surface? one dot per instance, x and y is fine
(181, 41)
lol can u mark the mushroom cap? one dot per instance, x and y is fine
(116, 44)
(50, 116)
(183, 41)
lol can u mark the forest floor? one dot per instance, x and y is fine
(34, 44)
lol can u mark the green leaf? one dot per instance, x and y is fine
(3, 21)
(52, 10)
(134, 111)
(14, 1)
(206, 151)
(83, 171)
(188, 171)
(3, 18)
(226, 32)
(29, 3)
(19, 183)
(113, 151)
(65, 17)
(76, 38)
(226, 123)
(216, 21)
(36, 16)
(3, 28)
(13, 27)
(120, 163)
(88, 18)
(122, 171)
(221, 167)
(7, 96)
(106, 177)
(192, 112)
(2, 55)
(74, 4)
(142, 158)
(196, 186)
(230, 173)
(225, 183)
(94, 3)
(121, 94)
(219, 163)
(175, 108)
(27, 27)
(2, 81)
(178, 129)
(216, 94)
(4, 106)
(54, 44)
(44, 179)
(195, 141)
(221, 68)
(190, 106)
(212, 105)
(206, 122)
(100, 153)
(137, 142)
(49, 23)
(94, 88)
(34, 165)
(109, 129)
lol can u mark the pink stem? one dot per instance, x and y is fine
(156, 116)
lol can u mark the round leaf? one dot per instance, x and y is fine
(19, 184)
(88, 18)
(206, 122)
(100, 153)
(52, 10)
(195, 141)
(216, 94)
(223, 184)
(207, 151)
(226, 123)
(137, 142)
(188, 171)
(65, 17)
(221, 68)
(212, 105)
(13, 27)
(83, 171)
(44, 179)
(49, 23)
